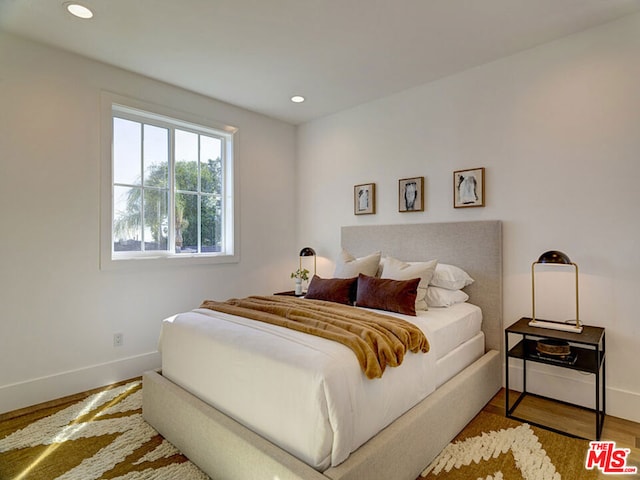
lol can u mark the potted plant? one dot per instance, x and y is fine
(300, 275)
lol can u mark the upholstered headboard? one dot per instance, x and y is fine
(475, 247)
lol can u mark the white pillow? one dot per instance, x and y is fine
(443, 297)
(450, 277)
(395, 269)
(348, 266)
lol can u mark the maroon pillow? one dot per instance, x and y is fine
(386, 294)
(338, 290)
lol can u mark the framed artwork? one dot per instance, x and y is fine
(468, 188)
(411, 194)
(364, 199)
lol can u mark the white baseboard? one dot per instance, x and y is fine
(575, 387)
(44, 389)
(623, 404)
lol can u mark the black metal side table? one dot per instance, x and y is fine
(588, 348)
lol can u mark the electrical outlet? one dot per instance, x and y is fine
(118, 339)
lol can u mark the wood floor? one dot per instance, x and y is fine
(58, 402)
(573, 420)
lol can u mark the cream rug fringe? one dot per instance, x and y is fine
(530, 457)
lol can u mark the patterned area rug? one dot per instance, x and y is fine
(104, 437)
(100, 437)
(493, 447)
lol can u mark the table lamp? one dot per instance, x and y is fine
(553, 257)
(308, 252)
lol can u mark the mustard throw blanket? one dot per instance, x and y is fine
(377, 340)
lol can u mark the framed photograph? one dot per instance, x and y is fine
(468, 188)
(411, 194)
(364, 199)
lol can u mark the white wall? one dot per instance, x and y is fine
(58, 310)
(558, 130)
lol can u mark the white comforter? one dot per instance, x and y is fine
(304, 393)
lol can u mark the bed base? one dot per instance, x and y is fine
(226, 450)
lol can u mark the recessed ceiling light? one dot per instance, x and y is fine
(297, 99)
(78, 10)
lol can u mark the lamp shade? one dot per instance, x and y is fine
(307, 252)
(554, 256)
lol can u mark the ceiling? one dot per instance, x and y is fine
(256, 54)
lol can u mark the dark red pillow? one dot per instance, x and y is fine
(338, 290)
(386, 294)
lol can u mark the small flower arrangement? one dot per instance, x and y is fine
(301, 274)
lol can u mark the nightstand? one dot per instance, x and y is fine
(289, 293)
(588, 347)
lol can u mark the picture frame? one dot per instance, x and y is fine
(469, 188)
(411, 194)
(364, 199)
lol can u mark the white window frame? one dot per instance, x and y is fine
(139, 111)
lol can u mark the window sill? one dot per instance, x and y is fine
(160, 261)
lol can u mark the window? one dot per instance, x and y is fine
(172, 189)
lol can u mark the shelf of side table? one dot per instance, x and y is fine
(589, 347)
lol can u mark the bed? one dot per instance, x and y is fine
(180, 409)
